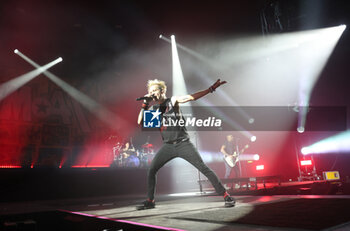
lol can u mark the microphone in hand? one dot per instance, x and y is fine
(147, 98)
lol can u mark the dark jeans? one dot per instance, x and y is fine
(187, 151)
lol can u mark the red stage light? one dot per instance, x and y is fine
(90, 166)
(10, 166)
(305, 162)
(260, 167)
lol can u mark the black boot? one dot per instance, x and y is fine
(229, 201)
(147, 204)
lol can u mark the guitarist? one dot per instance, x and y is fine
(229, 148)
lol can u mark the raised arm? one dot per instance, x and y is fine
(197, 95)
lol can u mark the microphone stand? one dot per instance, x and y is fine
(199, 173)
(239, 159)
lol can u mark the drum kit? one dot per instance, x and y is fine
(125, 155)
(147, 154)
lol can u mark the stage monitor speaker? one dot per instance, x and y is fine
(331, 175)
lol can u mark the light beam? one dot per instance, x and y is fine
(339, 143)
(101, 112)
(12, 85)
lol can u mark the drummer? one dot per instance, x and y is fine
(147, 148)
(128, 150)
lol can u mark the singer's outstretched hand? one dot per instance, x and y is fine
(218, 83)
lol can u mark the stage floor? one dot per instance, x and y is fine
(207, 212)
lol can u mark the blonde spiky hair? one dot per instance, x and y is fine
(161, 84)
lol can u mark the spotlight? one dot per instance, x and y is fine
(256, 157)
(305, 150)
(59, 59)
(15, 51)
(342, 26)
(160, 36)
(172, 36)
(305, 162)
(260, 167)
(251, 120)
(253, 138)
(300, 129)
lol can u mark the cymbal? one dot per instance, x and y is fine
(112, 137)
(147, 145)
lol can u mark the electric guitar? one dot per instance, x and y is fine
(232, 160)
